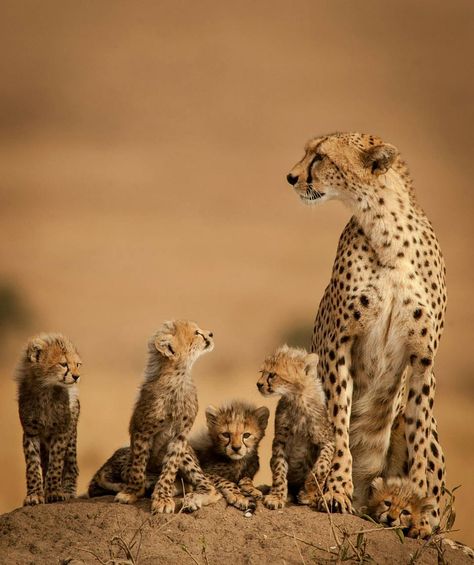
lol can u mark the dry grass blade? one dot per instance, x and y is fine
(331, 523)
(183, 547)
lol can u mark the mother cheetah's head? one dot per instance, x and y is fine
(346, 166)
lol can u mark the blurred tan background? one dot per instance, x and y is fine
(143, 154)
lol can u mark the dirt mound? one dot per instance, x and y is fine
(98, 530)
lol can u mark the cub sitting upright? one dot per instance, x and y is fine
(228, 450)
(163, 415)
(303, 445)
(49, 410)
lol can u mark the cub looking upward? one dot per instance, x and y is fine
(49, 410)
(228, 450)
(163, 415)
(303, 445)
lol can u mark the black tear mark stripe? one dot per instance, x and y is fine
(317, 157)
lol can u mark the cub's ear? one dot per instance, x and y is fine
(311, 363)
(379, 158)
(427, 504)
(164, 344)
(34, 349)
(211, 415)
(376, 485)
(262, 414)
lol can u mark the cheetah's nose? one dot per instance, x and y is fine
(236, 448)
(390, 520)
(291, 179)
(211, 334)
(260, 386)
(75, 377)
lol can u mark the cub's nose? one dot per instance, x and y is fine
(291, 179)
(390, 520)
(260, 386)
(76, 378)
(236, 448)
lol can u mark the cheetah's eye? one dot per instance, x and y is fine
(246, 435)
(63, 364)
(225, 434)
(405, 512)
(387, 503)
(318, 157)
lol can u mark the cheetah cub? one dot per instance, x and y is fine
(48, 404)
(163, 416)
(228, 450)
(303, 445)
(395, 502)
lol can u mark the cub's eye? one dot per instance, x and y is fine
(318, 157)
(387, 503)
(196, 332)
(78, 365)
(271, 376)
(225, 434)
(246, 435)
(63, 364)
(405, 512)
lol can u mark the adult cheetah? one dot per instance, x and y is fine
(379, 322)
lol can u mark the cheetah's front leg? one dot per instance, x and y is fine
(71, 470)
(316, 479)
(338, 385)
(232, 494)
(162, 498)
(278, 494)
(34, 475)
(53, 480)
(204, 492)
(418, 421)
(140, 454)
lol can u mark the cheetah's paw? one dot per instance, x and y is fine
(33, 499)
(55, 496)
(336, 502)
(125, 497)
(422, 531)
(274, 501)
(162, 505)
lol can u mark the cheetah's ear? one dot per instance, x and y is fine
(211, 415)
(376, 485)
(164, 344)
(34, 349)
(427, 504)
(262, 414)
(379, 158)
(311, 363)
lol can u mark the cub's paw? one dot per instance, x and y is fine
(125, 497)
(422, 530)
(274, 501)
(336, 502)
(33, 500)
(238, 500)
(308, 498)
(55, 496)
(162, 505)
(252, 491)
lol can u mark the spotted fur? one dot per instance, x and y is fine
(380, 320)
(48, 403)
(228, 450)
(303, 445)
(163, 416)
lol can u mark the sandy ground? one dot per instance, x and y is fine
(143, 155)
(89, 531)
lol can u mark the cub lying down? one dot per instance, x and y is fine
(227, 453)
